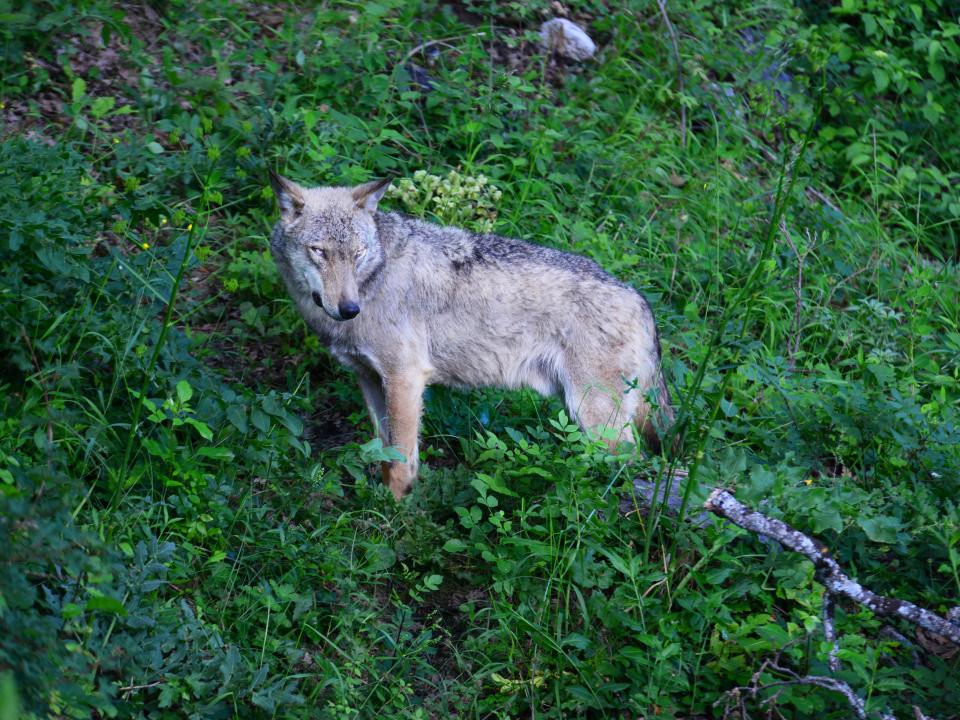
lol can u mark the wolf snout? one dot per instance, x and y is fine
(348, 309)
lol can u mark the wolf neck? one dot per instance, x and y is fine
(390, 239)
(371, 283)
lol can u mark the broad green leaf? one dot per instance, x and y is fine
(106, 604)
(201, 427)
(78, 90)
(101, 106)
(237, 415)
(454, 546)
(270, 405)
(9, 697)
(577, 640)
(169, 694)
(70, 610)
(495, 484)
(260, 420)
(184, 391)
(432, 582)
(762, 481)
(291, 422)
(881, 529)
(216, 453)
(379, 558)
(882, 372)
(881, 79)
(827, 518)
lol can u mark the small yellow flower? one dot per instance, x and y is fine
(189, 227)
(116, 141)
(808, 481)
(145, 246)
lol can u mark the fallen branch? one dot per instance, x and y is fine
(668, 495)
(830, 632)
(891, 633)
(856, 703)
(646, 494)
(828, 571)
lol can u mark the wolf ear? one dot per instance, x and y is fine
(289, 196)
(367, 196)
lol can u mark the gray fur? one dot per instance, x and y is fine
(447, 306)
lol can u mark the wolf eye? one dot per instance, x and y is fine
(361, 251)
(319, 251)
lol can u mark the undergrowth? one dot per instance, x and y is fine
(190, 524)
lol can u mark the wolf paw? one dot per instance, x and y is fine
(398, 477)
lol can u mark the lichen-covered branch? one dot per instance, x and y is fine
(891, 633)
(828, 571)
(647, 494)
(857, 705)
(830, 632)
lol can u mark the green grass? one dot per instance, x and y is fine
(190, 516)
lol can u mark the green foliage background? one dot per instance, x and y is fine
(188, 521)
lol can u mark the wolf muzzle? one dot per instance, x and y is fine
(345, 310)
(348, 309)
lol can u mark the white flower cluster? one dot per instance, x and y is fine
(466, 200)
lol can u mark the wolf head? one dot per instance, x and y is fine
(326, 242)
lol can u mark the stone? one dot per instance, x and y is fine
(567, 39)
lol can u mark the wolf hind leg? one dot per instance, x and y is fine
(622, 414)
(602, 411)
(651, 425)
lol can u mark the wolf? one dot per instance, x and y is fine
(405, 303)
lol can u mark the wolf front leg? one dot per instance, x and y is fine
(371, 385)
(404, 392)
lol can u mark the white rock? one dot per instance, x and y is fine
(567, 39)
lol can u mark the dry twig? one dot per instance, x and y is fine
(676, 57)
(812, 191)
(130, 688)
(891, 633)
(793, 346)
(445, 42)
(857, 705)
(46, 402)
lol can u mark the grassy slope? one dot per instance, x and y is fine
(220, 550)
